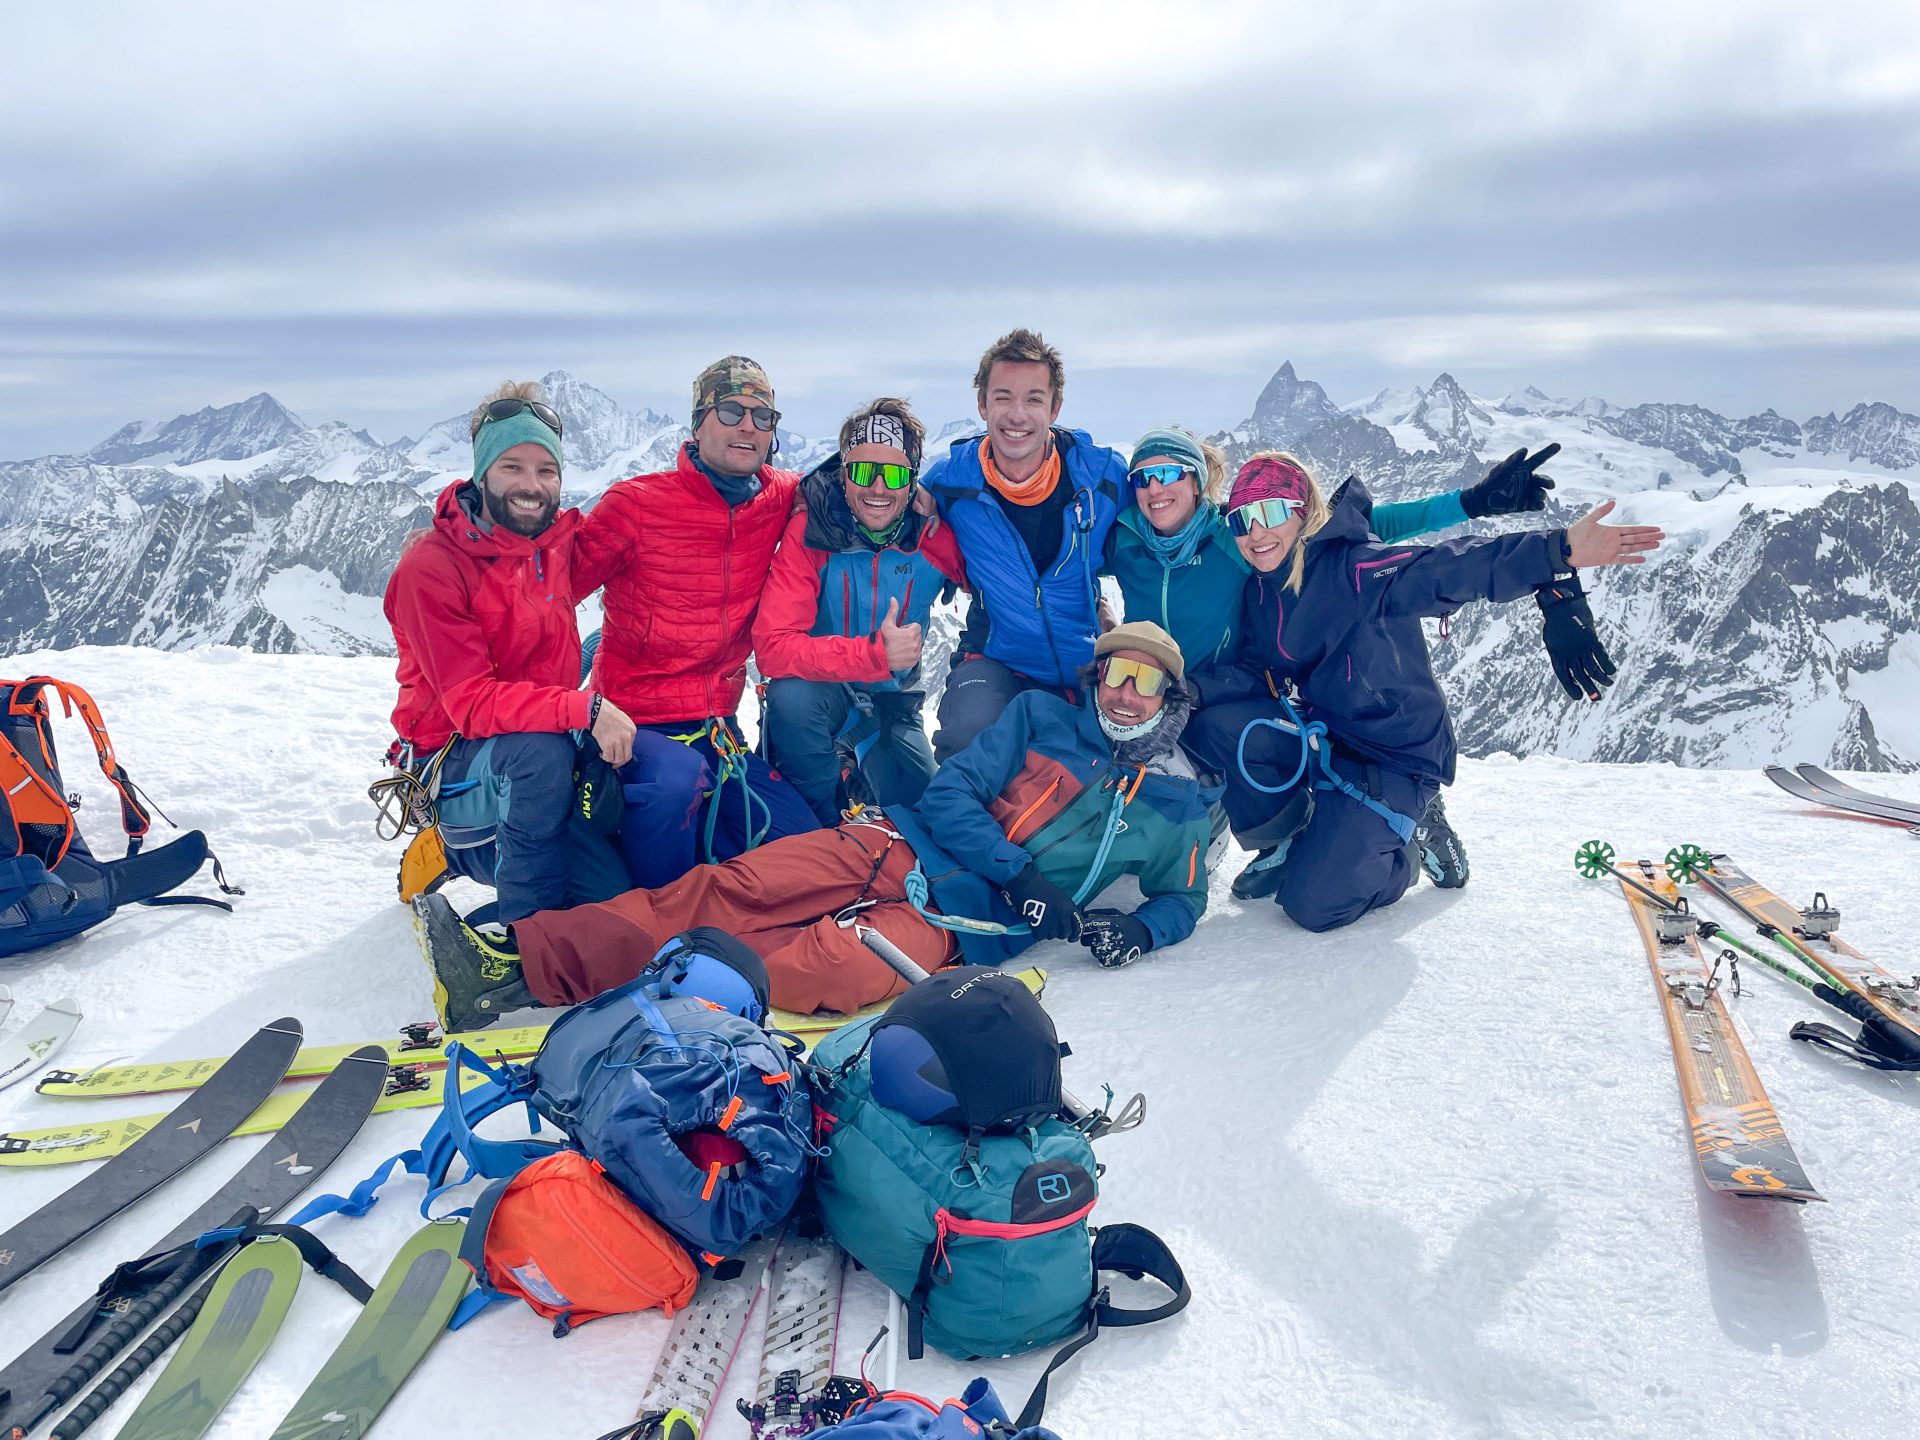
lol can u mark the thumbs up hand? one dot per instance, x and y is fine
(902, 642)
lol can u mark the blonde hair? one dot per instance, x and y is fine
(1317, 514)
(1218, 482)
(528, 390)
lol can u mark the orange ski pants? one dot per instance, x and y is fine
(781, 899)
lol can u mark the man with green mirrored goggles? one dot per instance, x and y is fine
(865, 473)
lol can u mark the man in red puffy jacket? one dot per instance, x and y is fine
(482, 612)
(684, 554)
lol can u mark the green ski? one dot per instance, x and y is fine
(408, 1311)
(242, 1314)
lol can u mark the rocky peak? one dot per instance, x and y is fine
(229, 432)
(1289, 408)
(1446, 413)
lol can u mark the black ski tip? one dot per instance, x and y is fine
(370, 1054)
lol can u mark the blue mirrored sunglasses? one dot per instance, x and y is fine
(1169, 474)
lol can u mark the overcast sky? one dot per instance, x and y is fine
(376, 212)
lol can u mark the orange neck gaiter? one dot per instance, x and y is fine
(1022, 492)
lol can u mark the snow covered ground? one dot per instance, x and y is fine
(1428, 1175)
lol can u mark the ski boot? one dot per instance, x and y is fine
(423, 868)
(1269, 840)
(1262, 876)
(476, 979)
(1441, 854)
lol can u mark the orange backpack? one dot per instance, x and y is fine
(562, 1237)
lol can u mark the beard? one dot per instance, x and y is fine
(519, 522)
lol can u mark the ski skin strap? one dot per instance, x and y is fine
(1134, 1251)
(312, 1249)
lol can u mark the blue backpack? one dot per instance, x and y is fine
(51, 885)
(697, 1114)
(976, 1415)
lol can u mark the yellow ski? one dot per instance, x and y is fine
(418, 1045)
(425, 1082)
(421, 1045)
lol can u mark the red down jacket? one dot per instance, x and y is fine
(483, 623)
(683, 572)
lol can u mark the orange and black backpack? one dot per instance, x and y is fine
(51, 885)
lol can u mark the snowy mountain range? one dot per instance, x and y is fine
(1782, 619)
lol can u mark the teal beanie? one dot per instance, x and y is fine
(1176, 443)
(496, 437)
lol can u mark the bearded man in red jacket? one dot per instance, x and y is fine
(481, 607)
(684, 554)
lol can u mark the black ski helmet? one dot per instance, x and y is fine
(970, 1047)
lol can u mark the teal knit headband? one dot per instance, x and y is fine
(496, 437)
(1176, 444)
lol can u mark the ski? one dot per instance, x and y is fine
(1802, 789)
(1821, 780)
(190, 1130)
(38, 1041)
(406, 1088)
(700, 1350)
(1738, 1140)
(423, 1042)
(273, 1178)
(420, 1045)
(803, 1326)
(410, 1307)
(239, 1315)
(1888, 1006)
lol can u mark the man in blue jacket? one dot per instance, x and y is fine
(1031, 504)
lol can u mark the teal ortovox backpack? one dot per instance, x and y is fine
(985, 1237)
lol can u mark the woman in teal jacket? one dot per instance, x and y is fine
(1175, 559)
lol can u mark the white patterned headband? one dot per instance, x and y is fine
(880, 428)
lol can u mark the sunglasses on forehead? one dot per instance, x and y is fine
(865, 472)
(1146, 475)
(1266, 514)
(507, 409)
(765, 417)
(1148, 679)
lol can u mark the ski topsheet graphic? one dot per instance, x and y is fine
(421, 1047)
(195, 1126)
(272, 1179)
(409, 1309)
(241, 1315)
(100, 1139)
(1738, 1140)
(38, 1041)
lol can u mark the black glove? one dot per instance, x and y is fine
(1048, 910)
(1511, 486)
(1579, 659)
(1115, 937)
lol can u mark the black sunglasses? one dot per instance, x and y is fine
(765, 417)
(507, 409)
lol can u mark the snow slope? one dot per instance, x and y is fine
(1428, 1175)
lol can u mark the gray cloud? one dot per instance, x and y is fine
(371, 214)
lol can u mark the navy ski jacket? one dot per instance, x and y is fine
(1041, 625)
(1350, 642)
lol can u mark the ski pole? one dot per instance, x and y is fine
(1694, 863)
(100, 1399)
(126, 1326)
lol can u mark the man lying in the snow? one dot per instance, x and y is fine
(1048, 806)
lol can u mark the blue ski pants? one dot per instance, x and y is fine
(508, 819)
(676, 815)
(809, 721)
(1348, 860)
